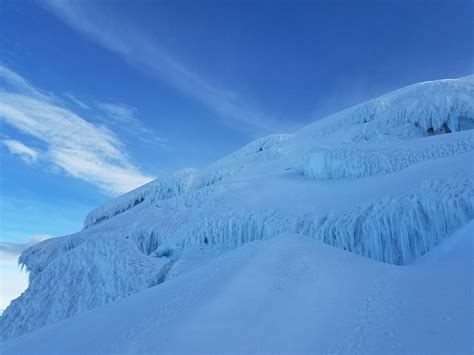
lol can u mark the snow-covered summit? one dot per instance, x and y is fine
(388, 179)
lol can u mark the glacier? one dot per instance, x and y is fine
(389, 180)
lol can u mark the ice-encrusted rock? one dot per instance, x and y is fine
(130, 243)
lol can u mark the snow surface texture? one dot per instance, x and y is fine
(287, 295)
(388, 179)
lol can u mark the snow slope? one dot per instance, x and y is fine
(388, 179)
(286, 295)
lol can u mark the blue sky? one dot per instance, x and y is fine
(98, 97)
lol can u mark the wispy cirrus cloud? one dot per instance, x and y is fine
(121, 112)
(141, 50)
(82, 149)
(78, 102)
(125, 116)
(27, 154)
(122, 117)
(11, 81)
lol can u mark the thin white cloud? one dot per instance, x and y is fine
(79, 103)
(26, 153)
(124, 116)
(119, 111)
(80, 148)
(11, 81)
(142, 51)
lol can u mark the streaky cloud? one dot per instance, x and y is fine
(123, 115)
(78, 102)
(27, 154)
(82, 149)
(139, 49)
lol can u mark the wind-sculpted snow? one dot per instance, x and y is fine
(389, 179)
(97, 271)
(395, 230)
(88, 270)
(423, 109)
(160, 189)
(224, 230)
(287, 295)
(176, 183)
(355, 161)
(269, 147)
(398, 229)
(164, 188)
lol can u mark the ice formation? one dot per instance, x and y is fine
(388, 179)
(186, 180)
(356, 161)
(286, 295)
